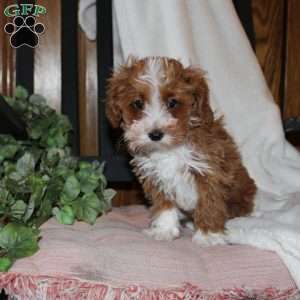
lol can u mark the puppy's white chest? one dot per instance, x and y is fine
(171, 172)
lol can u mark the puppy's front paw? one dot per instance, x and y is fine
(209, 239)
(160, 233)
(165, 226)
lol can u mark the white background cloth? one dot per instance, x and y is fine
(208, 33)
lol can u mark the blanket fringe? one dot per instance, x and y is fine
(29, 287)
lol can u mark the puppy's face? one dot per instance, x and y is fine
(156, 101)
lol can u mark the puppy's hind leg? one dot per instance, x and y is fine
(211, 214)
(241, 200)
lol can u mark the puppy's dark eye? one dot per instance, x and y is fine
(172, 103)
(137, 104)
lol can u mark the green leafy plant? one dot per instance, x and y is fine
(39, 178)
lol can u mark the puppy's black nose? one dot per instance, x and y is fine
(156, 135)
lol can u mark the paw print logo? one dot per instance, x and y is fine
(24, 31)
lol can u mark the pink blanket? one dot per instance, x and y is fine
(114, 260)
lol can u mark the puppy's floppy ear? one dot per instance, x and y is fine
(117, 86)
(201, 112)
(112, 107)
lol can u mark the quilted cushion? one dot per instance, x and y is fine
(114, 257)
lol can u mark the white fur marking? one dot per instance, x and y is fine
(209, 239)
(156, 115)
(153, 74)
(166, 226)
(171, 172)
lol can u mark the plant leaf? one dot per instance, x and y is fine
(37, 99)
(18, 209)
(21, 92)
(38, 186)
(65, 215)
(9, 100)
(39, 127)
(87, 208)
(8, 147)
(88, 179)
(54, 189)
(108, 195)
(43, 214)
(18, 240)
(25, 164)
(29, 209)
(71, 189)
(5, 263)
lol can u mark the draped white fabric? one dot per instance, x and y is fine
(208, 33)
